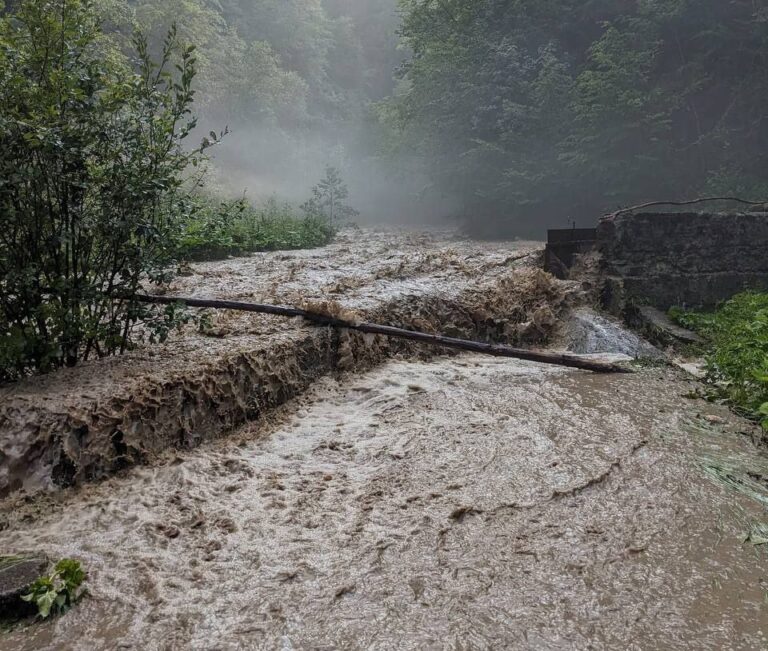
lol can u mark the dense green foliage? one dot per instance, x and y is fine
(292, 79)
(215, 229)
(737, 356)
(533, 111)
(291, 65)
(59, 591)
(92, 164)
(97, 190)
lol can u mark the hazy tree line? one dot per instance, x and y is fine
(518, 114)
(533, 111)
(292, 79)
(289, 62)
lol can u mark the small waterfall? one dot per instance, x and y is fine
(586, 332)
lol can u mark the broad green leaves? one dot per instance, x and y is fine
(57, 592)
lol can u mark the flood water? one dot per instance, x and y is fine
(462, 503)
(204, 382)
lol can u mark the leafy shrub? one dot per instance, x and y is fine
(57, 592)
(91, 163)
(737, 356)
(216, 230)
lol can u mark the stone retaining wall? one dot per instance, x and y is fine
(692, 260)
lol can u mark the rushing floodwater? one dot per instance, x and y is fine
(465, 503)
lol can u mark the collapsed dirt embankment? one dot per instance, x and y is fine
(86, 423)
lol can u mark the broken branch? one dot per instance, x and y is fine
(684, 203)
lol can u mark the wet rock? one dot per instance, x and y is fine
(17, 573)
(663, 328)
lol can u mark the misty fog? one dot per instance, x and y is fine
(326, 112)
(504, 118)
(508, 117)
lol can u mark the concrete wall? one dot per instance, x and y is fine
(685, 259)
(564, 245)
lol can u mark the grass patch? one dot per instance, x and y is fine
(747, 481)
(215, 230)
(736, 352)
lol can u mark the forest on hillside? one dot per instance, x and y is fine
(514, 116)
(292, 80)
(535, 111)
(508, 116)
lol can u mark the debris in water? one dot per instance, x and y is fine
(461, 512)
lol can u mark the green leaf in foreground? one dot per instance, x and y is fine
(57, 592)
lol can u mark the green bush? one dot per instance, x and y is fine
(91, 167)
(214, 230)
(737, 350)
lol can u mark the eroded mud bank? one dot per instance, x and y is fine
(86, 423)
(463, 503)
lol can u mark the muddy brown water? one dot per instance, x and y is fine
(461, 503)
(85, 423)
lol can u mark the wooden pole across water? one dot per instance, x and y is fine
(496, 350)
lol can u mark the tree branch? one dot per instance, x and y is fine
(684, 203)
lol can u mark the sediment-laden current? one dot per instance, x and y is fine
(459, 503)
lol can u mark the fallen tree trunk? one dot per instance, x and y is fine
(543, 357)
